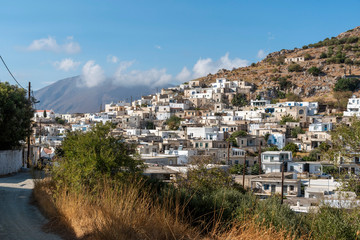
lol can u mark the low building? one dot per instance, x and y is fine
(269, 184)
(271, 161)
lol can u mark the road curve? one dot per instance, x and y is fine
(20, 220)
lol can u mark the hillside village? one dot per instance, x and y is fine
(219, 122)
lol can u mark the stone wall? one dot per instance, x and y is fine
(10, 161)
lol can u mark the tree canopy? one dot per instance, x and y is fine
(239, 100)
(87, 157)
(15, 116)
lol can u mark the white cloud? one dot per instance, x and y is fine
(261, 54)
(153, 77)
(112, 59)
(158, 47)
(92, 74)
(184, 75)
(205, 66)
(50, 44)
(66, 64)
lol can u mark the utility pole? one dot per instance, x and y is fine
(40, 140)
(244, 167)
(282, 182)
(259, 159)
(28, 144)
(228, 153)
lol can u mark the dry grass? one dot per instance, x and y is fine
(129, 212)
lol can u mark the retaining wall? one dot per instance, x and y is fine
(10, 161)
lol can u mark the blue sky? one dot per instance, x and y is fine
(156, 42)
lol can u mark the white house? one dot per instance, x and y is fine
(311, 107)
(271, 161)
(320, 127)
(277, 139)
(40, 114)
(295, 59)
(353, 107)
(210, 133)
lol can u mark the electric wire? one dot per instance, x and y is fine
(10, 72)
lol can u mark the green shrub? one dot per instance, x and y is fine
(346, 84)
(323, 55)
(295, 131)
(333, 223)
(91, 156)
(173, 122)
(287, 118)
(293, 97)
(295, 68)
(307, 57)
(314, 71)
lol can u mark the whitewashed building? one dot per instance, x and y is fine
(353, 107)
(271, 161)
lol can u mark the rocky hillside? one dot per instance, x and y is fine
(329, 60)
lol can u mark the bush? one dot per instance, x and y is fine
(323, 55)
(307, 57)
(284, 83)
(239, 100)
(15, 116)
(293, 97)
(295, 131)
(173, 122)
(333, 223)
(314, 71)
(287, 118)
(88, 157)
(295, 68)
(291, 147)
(347, 84)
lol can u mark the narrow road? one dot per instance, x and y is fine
(19, 219)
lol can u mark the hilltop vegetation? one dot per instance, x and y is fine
(325, 62)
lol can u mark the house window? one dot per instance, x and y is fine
(266, 186)
(197, 145)
(291, 187)
(206, 145)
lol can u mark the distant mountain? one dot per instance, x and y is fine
(67, 95)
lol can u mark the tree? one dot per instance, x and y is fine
(173, 122)
(323, 55)
(59, 120)
(347, 84)
(89, 157)
(255, 169)
(234, 135)
(307, 57)
(15, 116)
(341, 99)
(284, 84)
(287, 118)
(314, 71)
(293, 97)
(238, 169)
(239, 100)
(44, 114)
(345, 145)
(295, 131)
(291, 147)
(295, 68)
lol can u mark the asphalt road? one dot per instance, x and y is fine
(19, 219)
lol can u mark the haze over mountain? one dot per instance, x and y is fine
(69, 95)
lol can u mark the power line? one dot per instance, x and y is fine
(10, 72)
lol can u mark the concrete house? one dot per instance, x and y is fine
(271, 161)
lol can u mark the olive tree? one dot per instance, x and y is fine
(15, 116)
